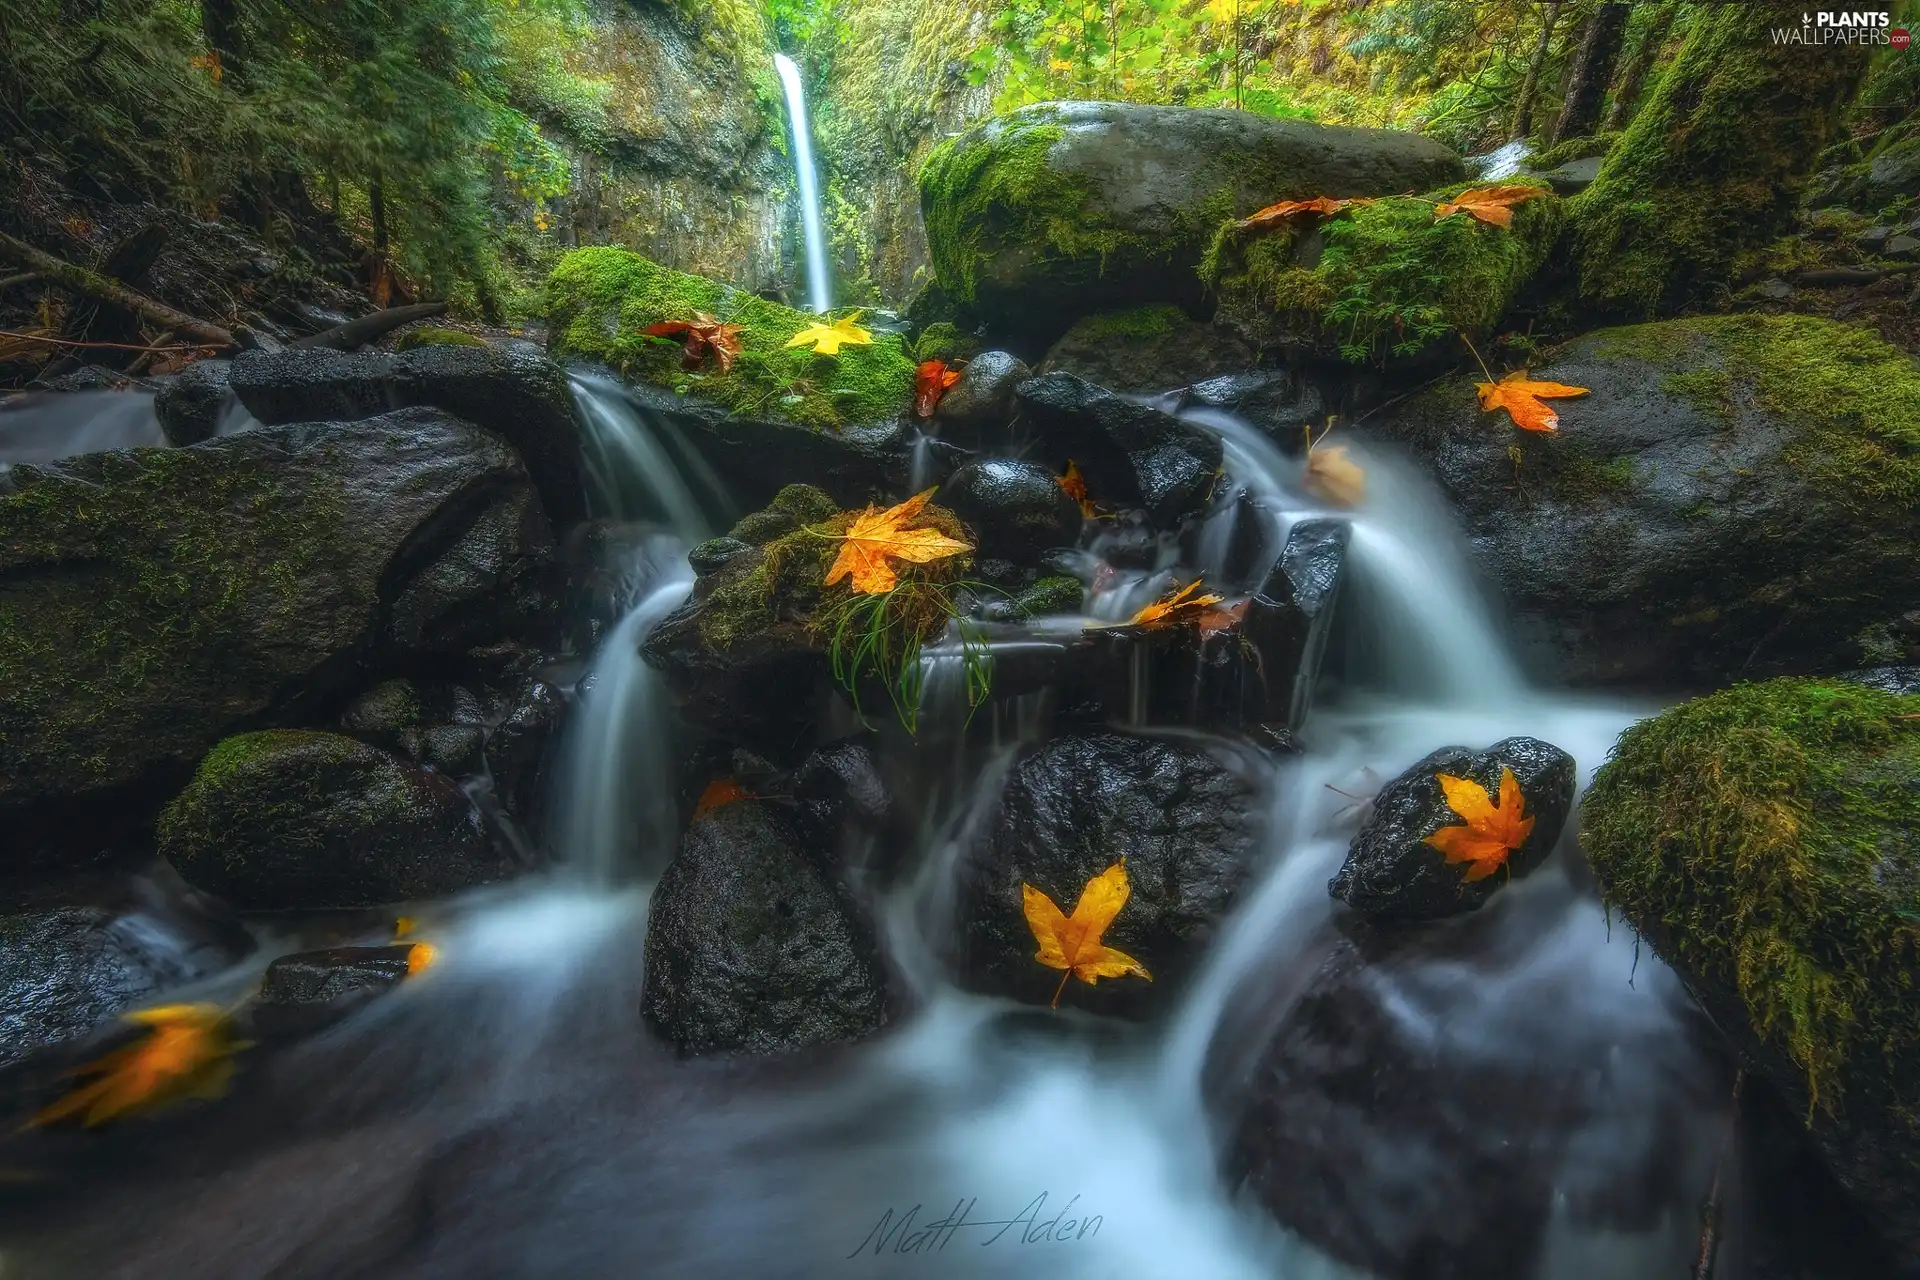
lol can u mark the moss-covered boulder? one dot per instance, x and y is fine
(1145, 349)
(600, 300)
(1766, 841)
(290, 819)
(1060, 209)
(1379, 282)
(156, 600)
(1738, 496)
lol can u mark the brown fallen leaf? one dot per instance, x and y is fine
(1223, 617)
(877, 536)
(1522, 399)
(1335, 477)
(1075, 486)
(1072, 943)
(721, 791)
(1491, 205)
(1274, 214)
(1492, 831)
(187, 1053)
(931, 382)
(703, 335)
(1175, 607)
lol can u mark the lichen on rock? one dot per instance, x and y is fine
(601, 299)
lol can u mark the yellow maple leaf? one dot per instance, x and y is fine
(420, 957)
(186, 1054)
(1492, 205)
(1072, 943)
(1178, 606)
(1492, 831)
(1521, 398)
(876, 537)
(827, 339)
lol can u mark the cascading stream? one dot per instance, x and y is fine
(819, 290)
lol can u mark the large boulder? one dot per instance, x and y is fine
(1018, 507)
(1131, 455)
(1393, 874)
(296, 820)
(753, 948)
(1185, 823)
(1060, 209)
(1733, 499)
(158, 600)
(1765, 841)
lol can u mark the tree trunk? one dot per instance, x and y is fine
(1634, 74)
(220, 26)
(81, 280)
(1713, 165)
(381, 282)
(1592, 69)
(1530, 87)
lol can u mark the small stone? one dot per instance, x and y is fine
(304, 992)
(1873, 239)
(1775, 289)
(1902, 246)
(1016, 510)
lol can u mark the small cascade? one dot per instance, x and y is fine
(44, 426)
(1502, 162)
(819, 291)
(640, 467)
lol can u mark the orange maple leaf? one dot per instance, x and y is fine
(1274, 214)
(931, 381)
(1332, 475)
(1222, 617)
(1492, 831)
(703, 335)
(721, 791)
(1075, 486)
(1175, 607)
(187, 1053)
(1521, 398)
(1072, 943)
(877, 536)
(1492, 205)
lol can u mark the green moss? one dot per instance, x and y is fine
(429, 336)
(793, 506)
(1572, 149)
(1055, 594)
(1585, 479)
(1708, 389)
(600, 299)
(1390, 278)
(1712, 165)
(1764, 839)
(945, 341)
(1147, 322)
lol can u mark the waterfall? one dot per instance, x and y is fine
(819, 292)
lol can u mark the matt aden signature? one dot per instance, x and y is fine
(906, 1233)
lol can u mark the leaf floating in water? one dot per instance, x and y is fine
(420, 957)
(1522, 399)
(404, 926)
(827, 339)
(187, 1053)
(1492, 831)
(1072, 943)
(877, 536)
(1491, 205)
(721, 791)
(1335, 477)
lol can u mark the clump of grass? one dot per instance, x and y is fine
(878, 638)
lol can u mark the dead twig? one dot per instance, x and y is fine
(105, 346)
(1716, 1190)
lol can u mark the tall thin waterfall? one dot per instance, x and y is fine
(819, 293)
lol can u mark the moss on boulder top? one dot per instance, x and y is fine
(1380, 281)
(599, 301)
(1766, 841)
(1058, 209)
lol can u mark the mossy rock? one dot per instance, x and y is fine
(297, 820)
(600, 299)
(1737, 497)
(1380, 282)
(1583, 148)
(1059, 209)
(1766, 841)
(153, 601)
(1143, 349)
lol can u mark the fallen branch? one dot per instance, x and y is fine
(24, 277)
(1716, 1192)
(93, 284)
(358, 333)
(1819, 276)
(105, 346)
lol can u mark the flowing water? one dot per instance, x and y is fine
(819, 291)
(41, 426)
(507, 1114)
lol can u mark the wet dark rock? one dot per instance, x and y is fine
(304, 992)
(91, 377)
(162, 599)
(453, 749)
(1392, 874)
(1186, 823)
(1055, 593)
(294, 820)
(1575, 176)
(189, 404)
(383, 713)
(841, 793)
(976, 410)
(1147, 349)
(522, 749)
(1016, 509)
(1412, 1123)
(1890, 679)
(752, 948)
(1680, 530)
(311, 384)
(710, 555)
(1277, 401)
(65, 969)
(1131, 454)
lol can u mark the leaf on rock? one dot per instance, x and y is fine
(1491, 205)
(1072, 943)
(1174, 608)
(1274, 214)
(703, 336)
(827, 339)
(1223, 617)
(721, 791)
(1335, 477)
(876, 537)
(1075, 486)
(1492, 831)
(931, 381)
(1522, 399)
(420, 957)
(187, 1053)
